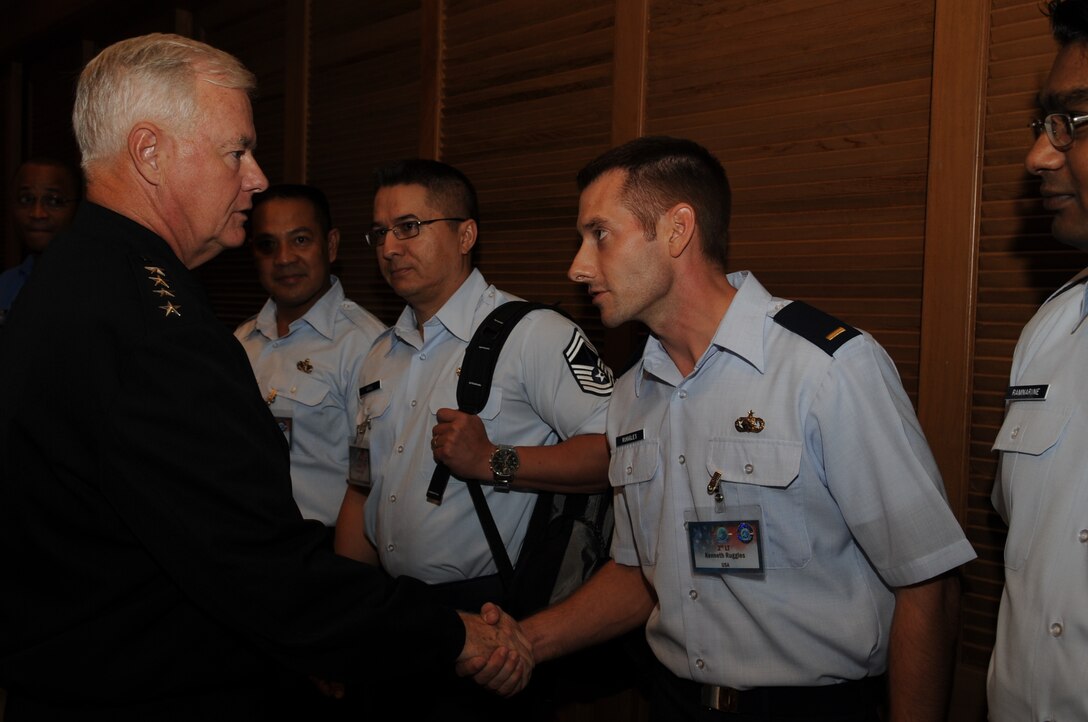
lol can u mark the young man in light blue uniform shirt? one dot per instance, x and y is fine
(781, 527)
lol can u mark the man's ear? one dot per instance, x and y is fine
(334, 243)
(679, 228)
(466, 236)
(145, 151)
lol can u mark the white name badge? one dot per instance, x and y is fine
(728, 543)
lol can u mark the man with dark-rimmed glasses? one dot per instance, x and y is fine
(1041, 650)
(541, 428)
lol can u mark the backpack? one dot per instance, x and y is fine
(569, 535)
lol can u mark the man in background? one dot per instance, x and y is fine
(307, 343)
(44, 202)
(155, 564)
(1041, 649)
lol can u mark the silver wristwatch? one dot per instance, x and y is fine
(504, 464)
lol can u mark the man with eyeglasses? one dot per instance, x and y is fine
(307, 343)
(46, 193)
(541, 427)
(1037, 670)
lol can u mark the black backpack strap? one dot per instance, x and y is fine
(477, 370)
(473, 388)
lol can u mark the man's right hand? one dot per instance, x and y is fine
(497, 654)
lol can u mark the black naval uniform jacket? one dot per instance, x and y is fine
(153, 564)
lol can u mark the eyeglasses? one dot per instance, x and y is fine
(403, 230)
(1061, 128)
(52, 202)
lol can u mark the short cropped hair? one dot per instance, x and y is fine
(447, 187)
(297, 191)
(663, 171)
(150, 77)
(1068, 20)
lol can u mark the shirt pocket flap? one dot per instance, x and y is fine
(763, 462)
(1030, 428)
(306, 390)
(633, 463)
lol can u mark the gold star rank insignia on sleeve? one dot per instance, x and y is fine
(162, 293)
(170, 308)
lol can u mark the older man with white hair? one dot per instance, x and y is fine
(155, 564)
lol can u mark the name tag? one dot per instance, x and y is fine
(630, 438)
(1026, 393)
(372, 386)
(725, 546)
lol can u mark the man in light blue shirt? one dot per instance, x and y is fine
(1037, 671)
(781, 526)
(307, 343)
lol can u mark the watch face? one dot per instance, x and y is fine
(504, 462)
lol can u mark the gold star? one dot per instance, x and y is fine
(155, 270)
(162, 292)
(170, 308)
(159, 281)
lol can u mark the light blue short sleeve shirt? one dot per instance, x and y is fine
(850, 500)
(311, 375)
(536, 399)
(1040, 659)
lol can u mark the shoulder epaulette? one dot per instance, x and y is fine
(822, 329)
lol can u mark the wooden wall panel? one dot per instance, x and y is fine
(253, 31)
(525, 105)
(819, 111)
(365, 103)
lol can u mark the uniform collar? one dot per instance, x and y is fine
(740, 333)
(457, 315)
(321, 316)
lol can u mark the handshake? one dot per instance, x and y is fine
(498, 653)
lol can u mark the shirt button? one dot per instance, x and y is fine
(423, 357)
(1014, 433)
(748, 468)
(400, 449)
(631, 468)
(392, 498)
(413, 403)
(700, 663)
(1056, 629)
(1083, 536)
(683, 394)
(693, 594)
(390, 547)
(681, 458)
(294, 389)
